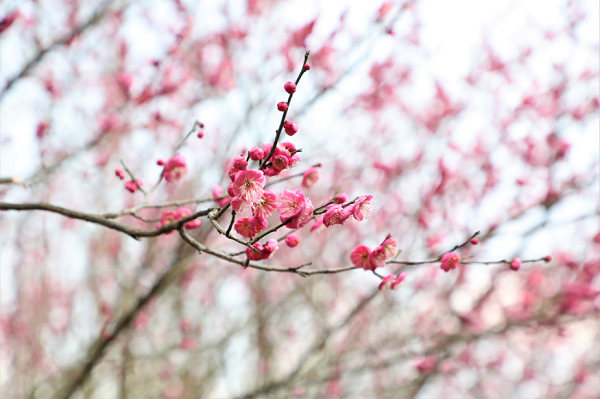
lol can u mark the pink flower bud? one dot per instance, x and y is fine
(282, 106)
(515, 264)
(292, 240)
(256, 154)
(341, 198)
(200, 135)
(230, 191)
(474, 241)
(255, 255)
(307, 67)
(160, 162)
(290, 87)
(548, 258)
(290, 128)
(132, 187)
(240, 163)
(119, 173)
(202, 126)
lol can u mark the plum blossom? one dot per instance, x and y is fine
(166, 218)
(302, 219)
(292, 240)
(449, 261)
(249, 184)
(390, 246)
(269, 249)
(290, 87)
(240, 163)
(256, 154)
(255, 255)
(266, 205)
(290, 204)
(280, 162)
(336, 214)
(377, 258)
(363, 207)
(392, 282)
(249, 227)
(241, 207)
(515, 264)
(282, 106)
(310, 177)
(360, 257)
(291, 128)
(175, 168)
(119, 173)
(132, 187)
(341, 198)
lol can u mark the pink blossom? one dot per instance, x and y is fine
(255, 255)
(242, 226)
(292, 240)
(282, 106)
(217, 191)
(303, 217)
(279, 162)
(474, 241)
(450, 261)
(363, 207)
(258, 224)
(183, 213)
(232, 173)
(266, 205)
(240, 163)
(241, 207)
(200, 135)
(341, 198)
(360, 257)
(390, 246)
(166, 218)
(256, 154)
(310, 177)
(336, 214)
(290, 150)
(175, 169)
(377, 258)
(386, 282)
(398, 281)
(307, 67)
(291, 128)
(271, 171)
(269, 249)
(515, 264)
(249, 184)
(290, 87)
(119, 173)
(132, 187)
(290, 204)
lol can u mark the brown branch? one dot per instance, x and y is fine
(99, 219)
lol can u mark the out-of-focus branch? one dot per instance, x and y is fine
(96, 17)
(101, 220)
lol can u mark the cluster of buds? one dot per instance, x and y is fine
(363, 257)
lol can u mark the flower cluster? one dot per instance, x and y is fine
(360, 210)
(132, 187)
(363, 257)
(175, 216)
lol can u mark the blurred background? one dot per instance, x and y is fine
(457, 117)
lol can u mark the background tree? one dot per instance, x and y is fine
(454, 118)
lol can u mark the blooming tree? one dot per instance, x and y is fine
(175, 226)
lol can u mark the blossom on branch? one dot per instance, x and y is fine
(292, 240)
(336, 214)
(248, 185)
(175, 169)
(450, 261)
(310, 177)
(363, 207)
(132, 187)
(360, 257)
(291, 128)
(290, 204)
(255, 255)
(266, 205)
